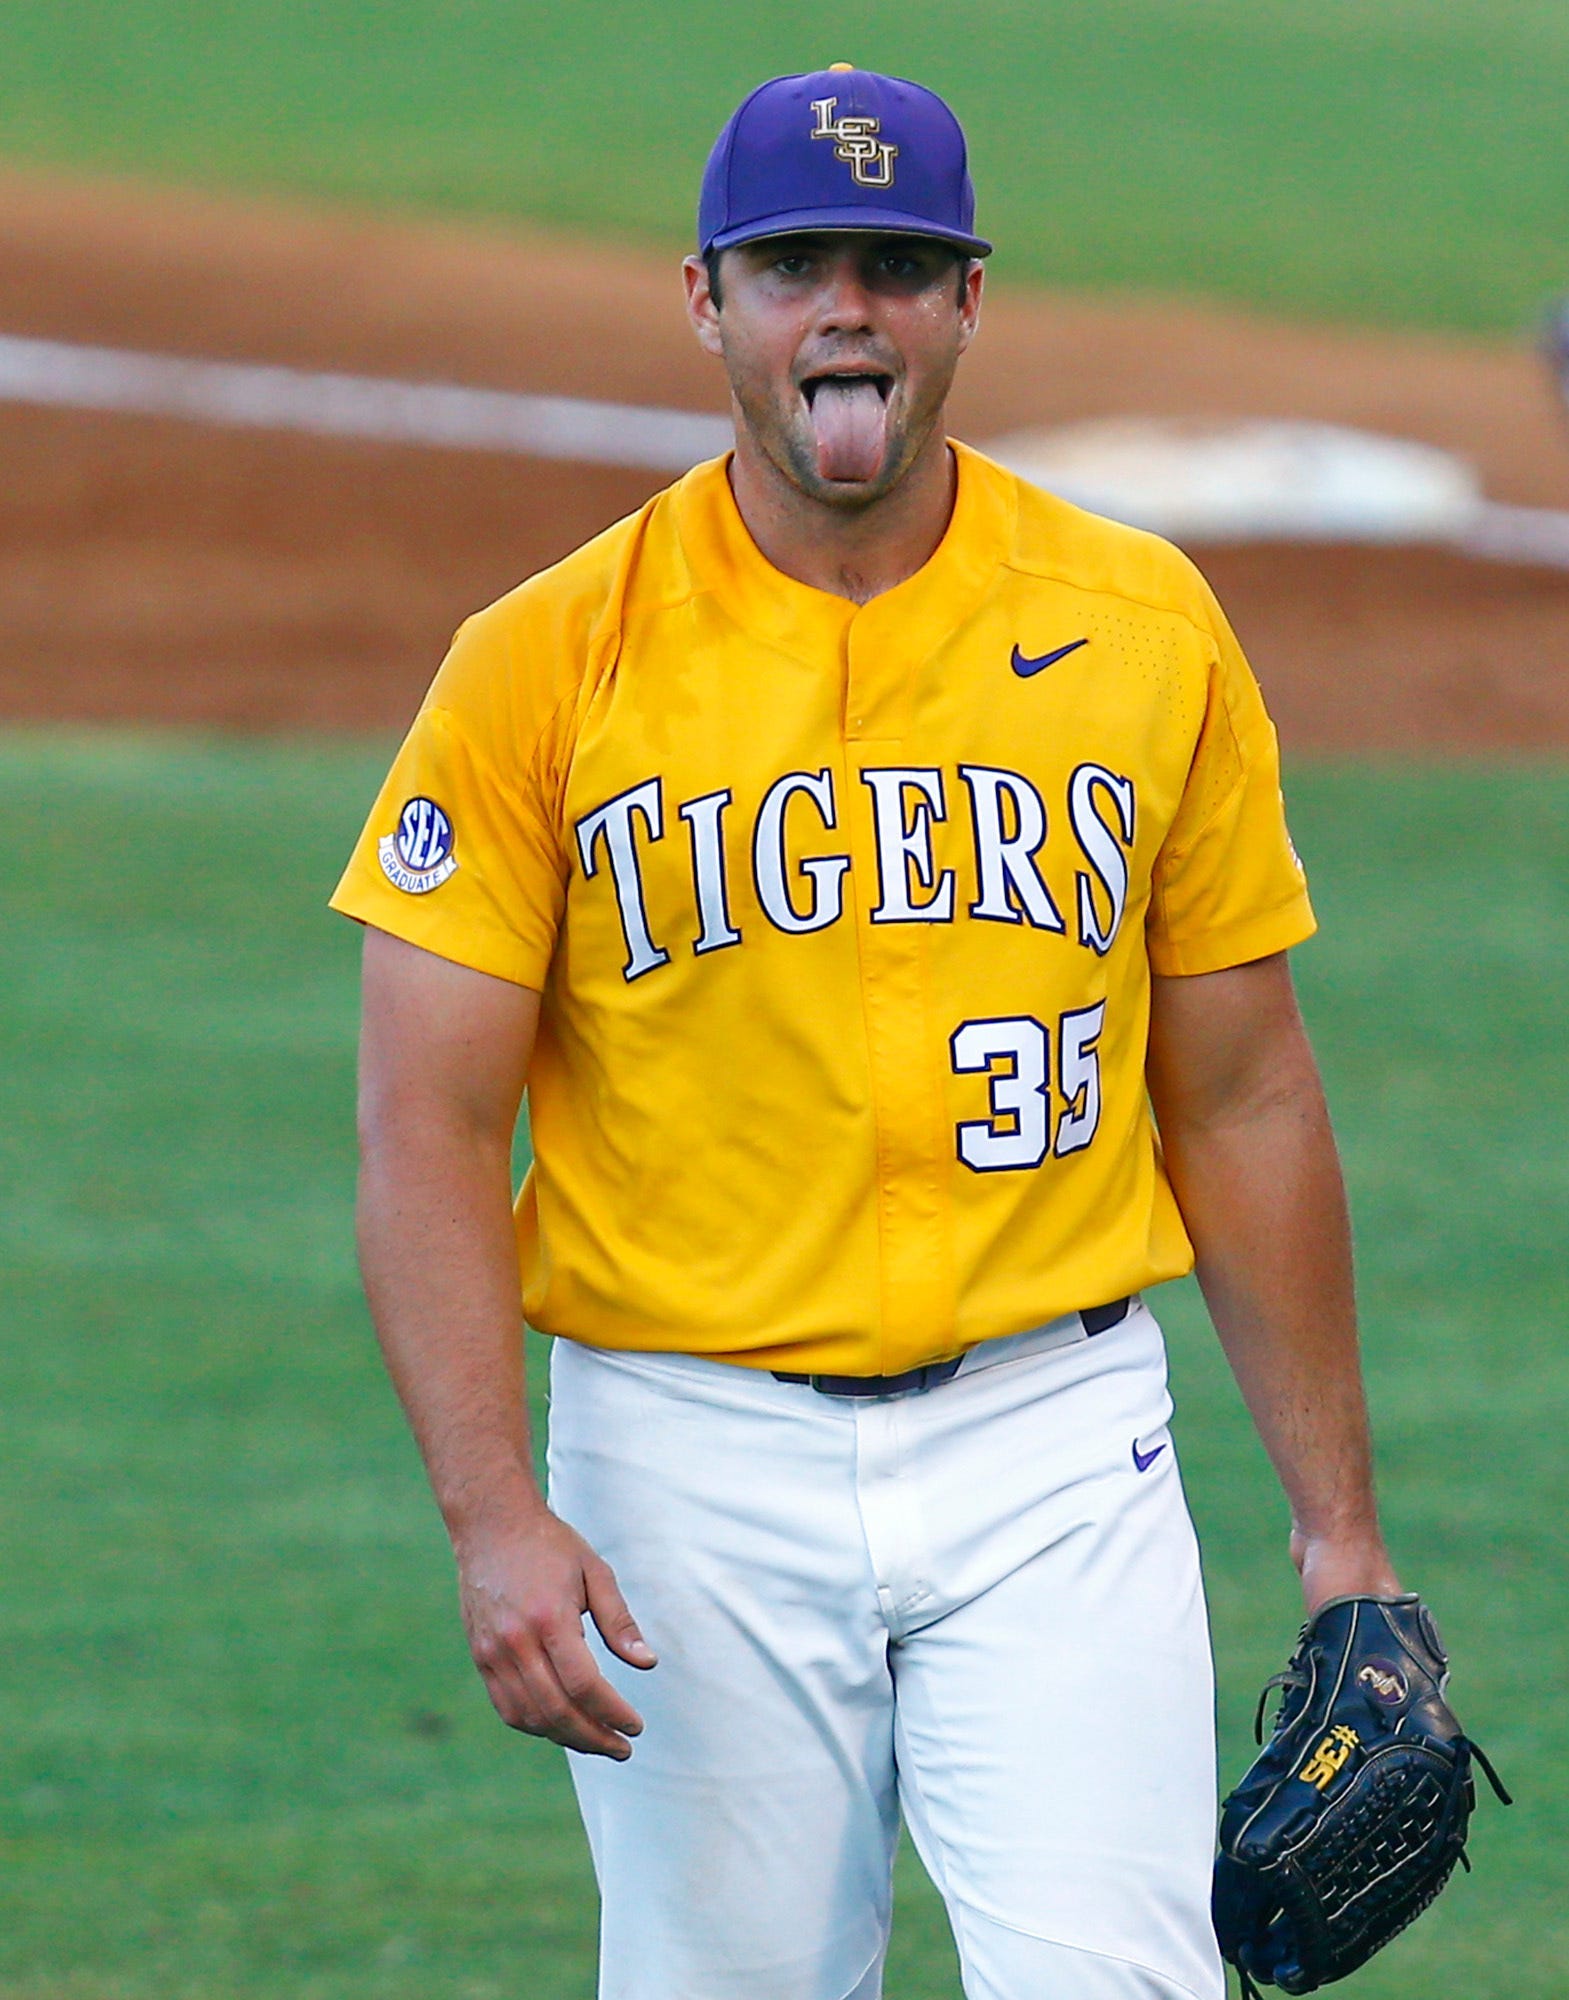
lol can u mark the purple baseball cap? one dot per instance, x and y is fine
(840, 148)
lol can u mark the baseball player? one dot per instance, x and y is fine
(848, 851)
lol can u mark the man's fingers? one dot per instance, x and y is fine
(584, 1685)
(608, 1609)
(527, 1694)
(567, 1719)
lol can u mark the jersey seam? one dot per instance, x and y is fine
(1046, 573)
(1178, 950)
(1181, 849)
(804, 656)
(1170, 855)
(514, 792)
(873, 1095)
(604, 638)
(1203, 631)
(515, 945)
(685, 595)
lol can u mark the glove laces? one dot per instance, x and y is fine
(1287, 1679)
(1493, 1778)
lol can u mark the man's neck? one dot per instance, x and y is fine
(855, 553)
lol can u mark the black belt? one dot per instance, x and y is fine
(1096, 1320)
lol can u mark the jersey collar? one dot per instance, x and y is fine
(781, 612)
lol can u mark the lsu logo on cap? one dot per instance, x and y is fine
(418, 857)
(869, 158)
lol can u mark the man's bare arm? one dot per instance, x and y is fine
(1252, 1160)
(444, 1056)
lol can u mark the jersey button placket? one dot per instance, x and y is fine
(914, 1226)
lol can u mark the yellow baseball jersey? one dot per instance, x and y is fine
(843, 917)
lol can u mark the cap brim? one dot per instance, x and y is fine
(865, 221)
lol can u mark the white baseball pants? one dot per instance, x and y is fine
(970, 1604)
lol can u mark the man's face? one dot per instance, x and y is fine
(840, 348)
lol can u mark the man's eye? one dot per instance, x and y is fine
(792, 267)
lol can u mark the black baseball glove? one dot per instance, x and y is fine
(1349, 1823)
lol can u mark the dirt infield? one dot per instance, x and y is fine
(152, 569)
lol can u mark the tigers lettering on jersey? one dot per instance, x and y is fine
(800, 893)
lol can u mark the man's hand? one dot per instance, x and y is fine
(524, 1595)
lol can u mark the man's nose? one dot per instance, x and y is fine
(846, 302)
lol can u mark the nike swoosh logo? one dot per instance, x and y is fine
(1024, 666)
(1143, 1460)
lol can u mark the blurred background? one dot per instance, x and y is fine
(1275, 280)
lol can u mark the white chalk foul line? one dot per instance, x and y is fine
(67, 376)
(1537, 535)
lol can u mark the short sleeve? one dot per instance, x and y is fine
(460, 854)
(1228, 884)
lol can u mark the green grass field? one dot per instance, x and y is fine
(242, 1753)
(1390, 159)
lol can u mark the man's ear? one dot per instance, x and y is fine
(701, 307)
(970, 301)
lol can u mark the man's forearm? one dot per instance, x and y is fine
(1263, 1202)
(441, 1273)
(1252, 1160)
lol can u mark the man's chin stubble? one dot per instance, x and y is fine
(797, 461)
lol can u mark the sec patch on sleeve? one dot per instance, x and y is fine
(418, 857)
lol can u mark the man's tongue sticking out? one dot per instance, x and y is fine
(850, 421)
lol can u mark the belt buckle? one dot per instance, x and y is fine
(917, 1381)
(911, 1381)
